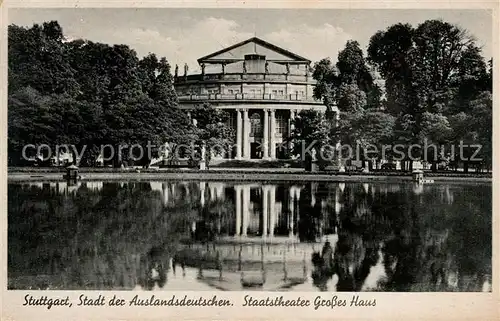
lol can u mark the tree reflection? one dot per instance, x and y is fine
(113, 238)
(424, 243)
(125, 234)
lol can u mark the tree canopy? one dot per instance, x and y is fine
(87, 94)
(416, 84)
(435, 81)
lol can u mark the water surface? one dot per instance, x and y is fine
(170, 235)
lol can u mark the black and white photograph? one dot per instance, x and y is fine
(232, 149)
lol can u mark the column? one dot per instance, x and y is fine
(291, 209)
(246, 134)
(272, 133)
(265, 141)
(291, 128)
(265, 210)
(165, 193)
(339, 154)
(213, 195)
(272, 210)
(297, 197)
(173, 189)
(237, 200)
(314, 188)
(219, 189)
(292, 117)
(245, 209)
(337, 201)
(238, 134)
(202, 193)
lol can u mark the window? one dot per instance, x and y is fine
(281, 124)
(255, 125)
(255, 92)
(232, 122)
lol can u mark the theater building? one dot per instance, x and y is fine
(262, 85)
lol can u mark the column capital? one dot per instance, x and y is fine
(245, 110)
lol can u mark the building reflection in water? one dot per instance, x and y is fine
(384, 237)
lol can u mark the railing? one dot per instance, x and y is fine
(248, 96)
(245, 77)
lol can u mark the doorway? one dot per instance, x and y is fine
(255, 151)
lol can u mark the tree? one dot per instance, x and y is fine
(89, 95)
(38, 58)
(435, 68)
(435, 132)
(353, 68)
(473, 129)
(326, 75)
(350, 86)
(29, 120)
(311, 134)
(212, 131)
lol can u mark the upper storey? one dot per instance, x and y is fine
(252, 68)
(250, 57)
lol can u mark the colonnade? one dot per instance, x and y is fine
(271, 210)
(243, 128)
(269, 213)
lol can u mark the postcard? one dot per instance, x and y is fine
(249, 160)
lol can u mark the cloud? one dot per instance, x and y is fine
(182, 45)
(312, 42)
(204, 37)
(186, 44)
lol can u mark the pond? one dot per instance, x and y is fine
(288, 236)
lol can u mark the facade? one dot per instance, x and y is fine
(263, 87)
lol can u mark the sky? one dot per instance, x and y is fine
(183, 35)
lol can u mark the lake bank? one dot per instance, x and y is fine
(239, 175)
